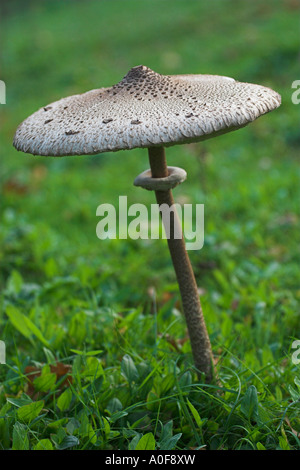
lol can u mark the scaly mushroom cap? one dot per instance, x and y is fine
(145, 109)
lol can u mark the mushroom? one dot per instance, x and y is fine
(149, 110)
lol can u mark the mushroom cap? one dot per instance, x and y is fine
(145, 109)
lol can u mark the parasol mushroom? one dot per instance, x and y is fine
(149, 110)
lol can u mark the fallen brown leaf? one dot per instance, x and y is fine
(59, 369)
(296, 433)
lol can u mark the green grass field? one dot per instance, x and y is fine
(97, 355)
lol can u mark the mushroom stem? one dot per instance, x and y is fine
(200, 342)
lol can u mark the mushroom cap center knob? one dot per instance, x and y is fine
(175, 176)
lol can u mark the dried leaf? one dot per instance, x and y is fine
(59, 369)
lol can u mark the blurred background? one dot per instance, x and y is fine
(248, 270)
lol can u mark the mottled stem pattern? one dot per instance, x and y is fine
(200, 342)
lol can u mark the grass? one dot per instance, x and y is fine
(96, 346)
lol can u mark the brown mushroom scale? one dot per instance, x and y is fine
(146, 109)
